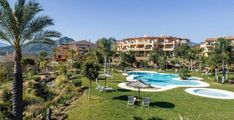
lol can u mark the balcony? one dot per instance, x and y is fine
(137, 43)
(169, 43)
(139, 49)
(168, 48)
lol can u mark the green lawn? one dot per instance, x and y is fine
(165, 105)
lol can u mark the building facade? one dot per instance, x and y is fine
(63, 52)
(209, 44)
(142, 46)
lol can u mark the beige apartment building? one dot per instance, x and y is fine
(209, 44)
(142, 46)
(80, 47)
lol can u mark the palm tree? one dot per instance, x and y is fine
(223, 51)
(21, 25)
(154, 57)
(105, 46)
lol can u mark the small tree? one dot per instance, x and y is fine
(155, 58)
(42, 60)
(184, 73)
(91, 72)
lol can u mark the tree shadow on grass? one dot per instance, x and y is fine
(122, 97)
(153, 118)
(123, 90)
(163, 104)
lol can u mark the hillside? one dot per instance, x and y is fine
(37, 47)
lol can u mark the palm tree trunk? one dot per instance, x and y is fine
(223, 70)
(90, 82)
(191, 65)
(105, 67)
(18, 87)
(105, 63)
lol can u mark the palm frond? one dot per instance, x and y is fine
(30, 10)
(44, 37)
(37, 25)
(8, 17)
(19, 9)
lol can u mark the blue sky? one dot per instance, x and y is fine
(93, 19)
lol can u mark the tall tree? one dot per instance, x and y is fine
(19, 25)
(223, 52)
(105, 47)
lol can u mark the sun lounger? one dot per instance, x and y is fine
(131, 100)
(103, 88)
(145, 102)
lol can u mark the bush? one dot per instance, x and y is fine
(36, 78)
(61, 80)
(184, 73)
(62, 69)
(76, 65)
(43, 91)
(77, 82)
(123, 65)
(30, 99)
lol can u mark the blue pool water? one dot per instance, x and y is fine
(160, 79)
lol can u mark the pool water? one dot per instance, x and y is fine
(162, 79)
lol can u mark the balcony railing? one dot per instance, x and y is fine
(168, 49)
(135, 49)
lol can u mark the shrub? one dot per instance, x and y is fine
(6, 95)
(184, 73)
(30, 99)
(62, 69)
(43, 91)
(77, 82)
(61, 80)
(123, 65)
(36, 78)
(76, 65)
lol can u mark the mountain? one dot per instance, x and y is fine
(37, 47)
(2, 44)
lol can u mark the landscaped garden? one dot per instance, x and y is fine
(165, 105)
(84, 85)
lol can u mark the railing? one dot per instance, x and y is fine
(168, 49)
(140, 48)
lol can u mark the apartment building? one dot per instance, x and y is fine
(80, 47)
(142, 46)
(209, 44)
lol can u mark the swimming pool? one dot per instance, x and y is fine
(211, 93)
(165, 79)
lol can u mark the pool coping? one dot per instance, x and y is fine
(191, 91)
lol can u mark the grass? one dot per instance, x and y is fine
(166, 105)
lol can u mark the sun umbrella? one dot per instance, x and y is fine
(138, 84)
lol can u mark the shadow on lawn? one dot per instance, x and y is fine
(162, 104)
(153, 118)
(123, 90)
(122, 97)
